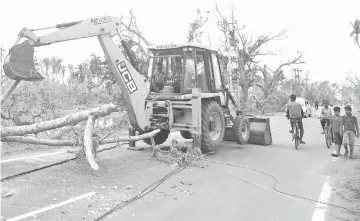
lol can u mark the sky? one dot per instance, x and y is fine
(320, 29)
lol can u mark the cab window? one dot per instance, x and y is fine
(216, 70)
(190, 76)
(200, 72)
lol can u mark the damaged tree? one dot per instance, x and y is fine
(248, 51)
(269, 82)
(195, 33)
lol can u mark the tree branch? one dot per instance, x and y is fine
(133, 28)
(296, 60)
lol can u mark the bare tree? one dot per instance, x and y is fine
(130, 32)
(250, 56)
(195, 33)
(355, 84)
(249, 51)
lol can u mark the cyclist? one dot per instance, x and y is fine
(326, 113)
(294, 111)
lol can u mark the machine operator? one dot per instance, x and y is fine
(158, 78)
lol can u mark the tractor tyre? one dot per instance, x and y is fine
(186, 134)
(241, 130)
(212, 126)
(159, 138)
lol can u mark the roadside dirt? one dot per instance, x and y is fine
(346, 191)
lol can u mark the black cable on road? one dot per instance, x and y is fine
(48, 166)
(36, 169)
(143, 193)
(276, 182)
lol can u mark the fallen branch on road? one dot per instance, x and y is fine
(88, 143)
(59, 122)
(38, 141)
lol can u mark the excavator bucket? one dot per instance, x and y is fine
(19, 63)
(260, 132)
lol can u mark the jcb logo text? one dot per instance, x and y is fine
(99, 21)
(126, 76)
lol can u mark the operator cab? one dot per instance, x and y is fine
(176, 69)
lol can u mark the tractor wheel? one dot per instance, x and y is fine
(186, 134)
(241, 130)
(159, 138)
(212, 126)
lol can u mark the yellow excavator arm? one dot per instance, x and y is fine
(19, 64)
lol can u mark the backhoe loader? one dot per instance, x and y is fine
(183, 90)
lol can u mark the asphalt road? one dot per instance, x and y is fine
(215, 192)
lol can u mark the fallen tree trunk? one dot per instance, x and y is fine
(121, 140)
(129, 138)
(88, 143)
(38, 141)
(63, 132)
(8, 91)
(60, 122)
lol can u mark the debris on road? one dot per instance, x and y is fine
(185, 183)
(7, 193)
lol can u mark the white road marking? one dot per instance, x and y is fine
(275, 130)
(51, 207)
(320, 211)
(31, 157)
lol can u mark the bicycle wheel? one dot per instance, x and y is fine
(328, 139)
(296, 137)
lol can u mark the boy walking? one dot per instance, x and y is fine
(349, 128)
(335, 123)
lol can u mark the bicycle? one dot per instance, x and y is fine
(295, 132)
(327, 132)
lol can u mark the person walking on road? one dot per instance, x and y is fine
(325, 113)
(349, 128)
(294, 111)
(335, 123)
(316, 105)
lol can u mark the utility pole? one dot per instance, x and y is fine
(230, 29)
(229, 37)
(297, 72)
(1, 59)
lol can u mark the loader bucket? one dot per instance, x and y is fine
(260, 132)
(19, 63)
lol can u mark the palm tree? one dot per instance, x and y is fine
(356, 31)
(46, 62)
